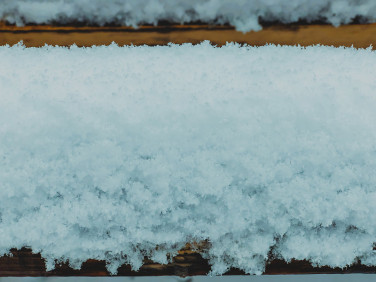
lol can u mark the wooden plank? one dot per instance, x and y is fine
(187, 263)
(358, 35)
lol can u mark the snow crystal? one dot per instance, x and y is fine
(243, 14)
(108, 152)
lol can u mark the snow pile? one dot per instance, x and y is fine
(243, 14)
(108, 152)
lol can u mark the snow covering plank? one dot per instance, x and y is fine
(245, 15)
(359, 36)
(120, 153)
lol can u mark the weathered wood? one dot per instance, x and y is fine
(358, 35)
(187, 263)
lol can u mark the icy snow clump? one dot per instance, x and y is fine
(108, 152)
(243, 14)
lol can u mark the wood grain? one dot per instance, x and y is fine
(187, 263)
(357, 35)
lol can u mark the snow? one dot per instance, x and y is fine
(243, 14)
(108, 152)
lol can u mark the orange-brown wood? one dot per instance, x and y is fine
(359, 35)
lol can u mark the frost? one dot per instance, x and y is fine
(243, 14)
(116, 153)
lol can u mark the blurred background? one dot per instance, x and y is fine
(276, 278)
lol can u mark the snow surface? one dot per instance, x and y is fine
(243, 14)
(108, 152)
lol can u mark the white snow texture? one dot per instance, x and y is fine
(108, 152)
(243, 14)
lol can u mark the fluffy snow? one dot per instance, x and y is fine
(243, 14)
(108, 152)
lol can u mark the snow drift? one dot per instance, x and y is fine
(108, 152)
(243, 14)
